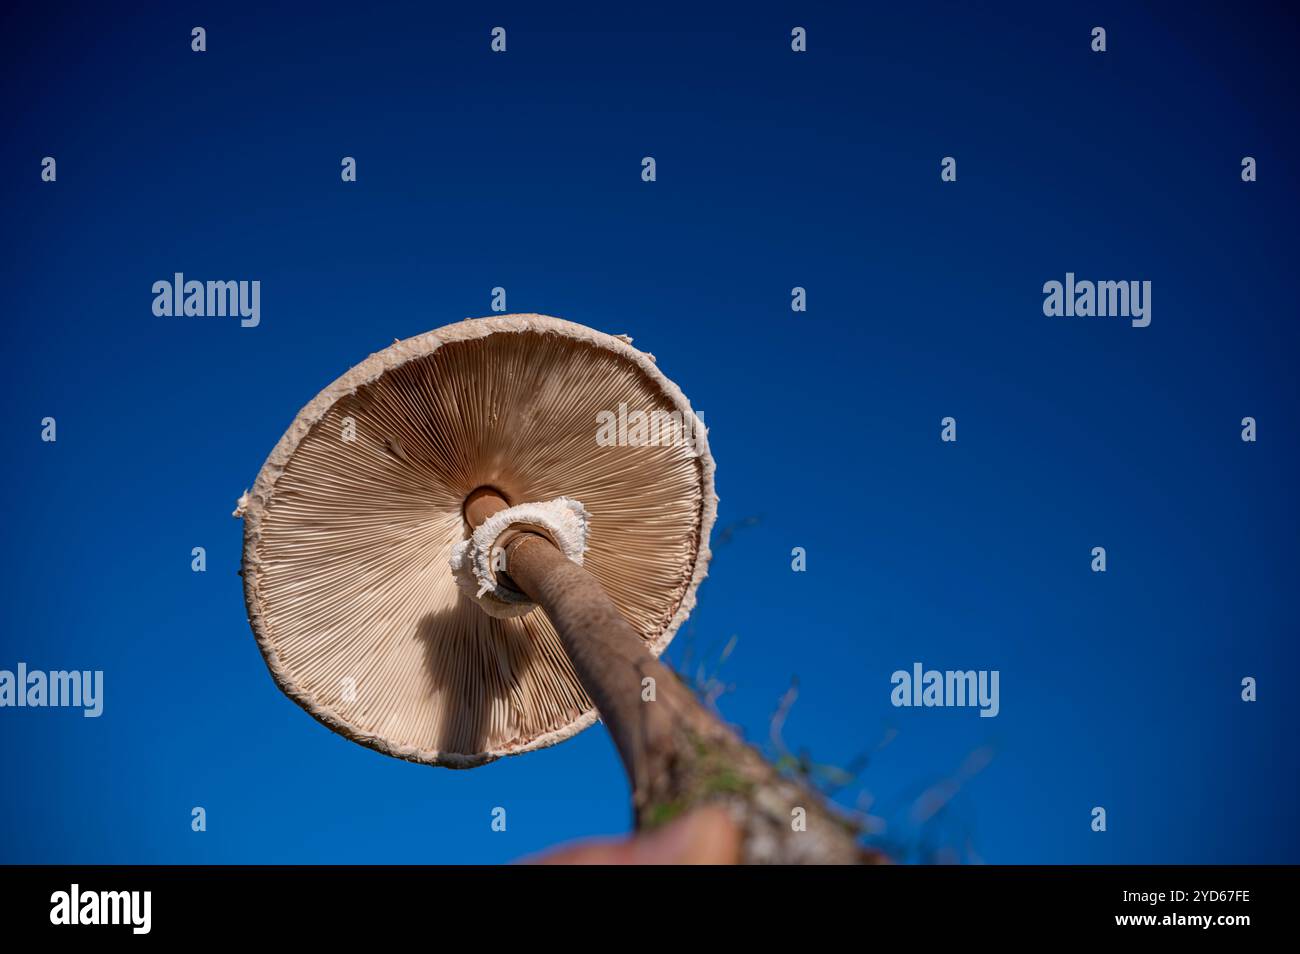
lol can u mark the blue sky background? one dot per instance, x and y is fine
(774, 169)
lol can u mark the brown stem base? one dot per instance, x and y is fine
(677, 754)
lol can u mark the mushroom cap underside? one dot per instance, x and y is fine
(349, 528)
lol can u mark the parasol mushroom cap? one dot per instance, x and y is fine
(354, 517)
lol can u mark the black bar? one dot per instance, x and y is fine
(326, 903)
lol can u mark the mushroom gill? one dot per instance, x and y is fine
(354, 516)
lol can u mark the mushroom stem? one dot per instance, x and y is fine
(609, 657)
(482, 503)
(678, 755)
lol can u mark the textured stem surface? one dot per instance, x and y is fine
(677, 754)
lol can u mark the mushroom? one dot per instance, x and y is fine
(479, 538)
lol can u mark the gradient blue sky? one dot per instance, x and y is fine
(774, 170)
